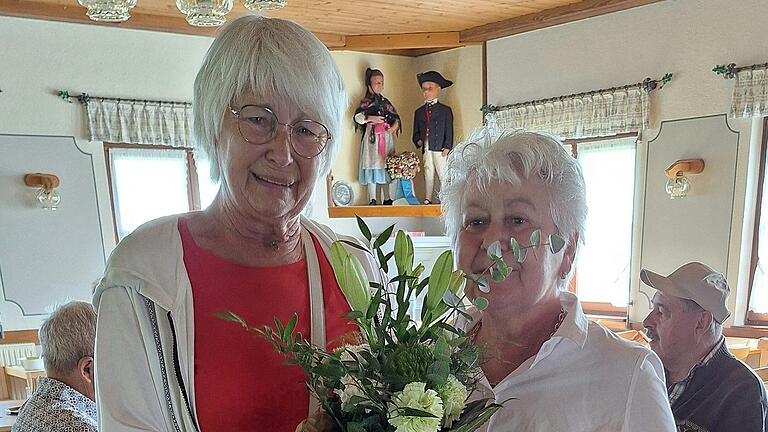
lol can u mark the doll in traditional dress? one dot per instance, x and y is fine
(377, 119)
(433, 128)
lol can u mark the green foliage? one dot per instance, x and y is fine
(499, 270)
(356, 384)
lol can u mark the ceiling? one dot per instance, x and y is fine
(409, 27)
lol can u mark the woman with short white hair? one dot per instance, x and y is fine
(557, 370)
(268, 107)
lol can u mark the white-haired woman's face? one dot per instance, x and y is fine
(266, 180)
(500, 212)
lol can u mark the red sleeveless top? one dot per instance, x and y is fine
(241, 383)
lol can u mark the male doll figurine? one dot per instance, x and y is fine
(433, 128)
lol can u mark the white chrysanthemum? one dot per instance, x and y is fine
(352, 387)
(416, 396)
(453, 393)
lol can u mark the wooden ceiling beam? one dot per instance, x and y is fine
(138, 20)
(548, 18)
(417, 52)
(402, 41)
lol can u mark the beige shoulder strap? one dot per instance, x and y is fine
(316, 306)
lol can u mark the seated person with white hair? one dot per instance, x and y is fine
(709, 389)
(64, 400)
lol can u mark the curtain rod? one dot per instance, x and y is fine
(84, 98)
(730, 70)
(647, 84)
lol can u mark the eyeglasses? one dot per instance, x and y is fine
(258, 125)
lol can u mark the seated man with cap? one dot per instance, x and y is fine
(64, 401)
(708, 388)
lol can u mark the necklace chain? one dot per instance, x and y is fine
(560, 318)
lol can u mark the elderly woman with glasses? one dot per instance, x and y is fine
(557, 370)
(268, 106)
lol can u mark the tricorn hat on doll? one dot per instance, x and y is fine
(435, 77)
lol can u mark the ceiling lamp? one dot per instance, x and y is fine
(205, 13)
(108, 10)
(264, 5)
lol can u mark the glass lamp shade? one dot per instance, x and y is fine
(205, 13)
(678, 187)
(48, 198)
(264, 5)
(108, 10)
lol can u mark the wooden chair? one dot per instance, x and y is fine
(740, 353)
(762, 372)
(634, 336)
(762, 345)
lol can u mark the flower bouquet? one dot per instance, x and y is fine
(402, 376)
(403, 165)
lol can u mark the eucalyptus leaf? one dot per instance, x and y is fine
(481, 303)
(482, 284)
(535, 238)
(514, 246)
(497, 275)
(521, 254)
(494, 250)
(556, 243)
(501, 265)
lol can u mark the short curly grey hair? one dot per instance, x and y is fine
(511, 157)
(267, 57)
(67, 335)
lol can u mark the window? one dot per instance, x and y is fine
(602, 276)
(147, 182)
(758, 290)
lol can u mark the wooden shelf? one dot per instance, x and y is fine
(432, 210)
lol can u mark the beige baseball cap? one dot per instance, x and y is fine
(694, 281)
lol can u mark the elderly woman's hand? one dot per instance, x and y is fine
(318, 422)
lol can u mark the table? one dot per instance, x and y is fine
(6, 421)
(745, 350)
(15, 373)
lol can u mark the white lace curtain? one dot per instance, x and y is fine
(750, 94)
(581, 116)
(139, 122)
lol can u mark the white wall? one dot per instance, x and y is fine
(37, 58)
(462, 65)
(685, 37)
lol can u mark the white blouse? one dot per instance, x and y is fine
(584, 378)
